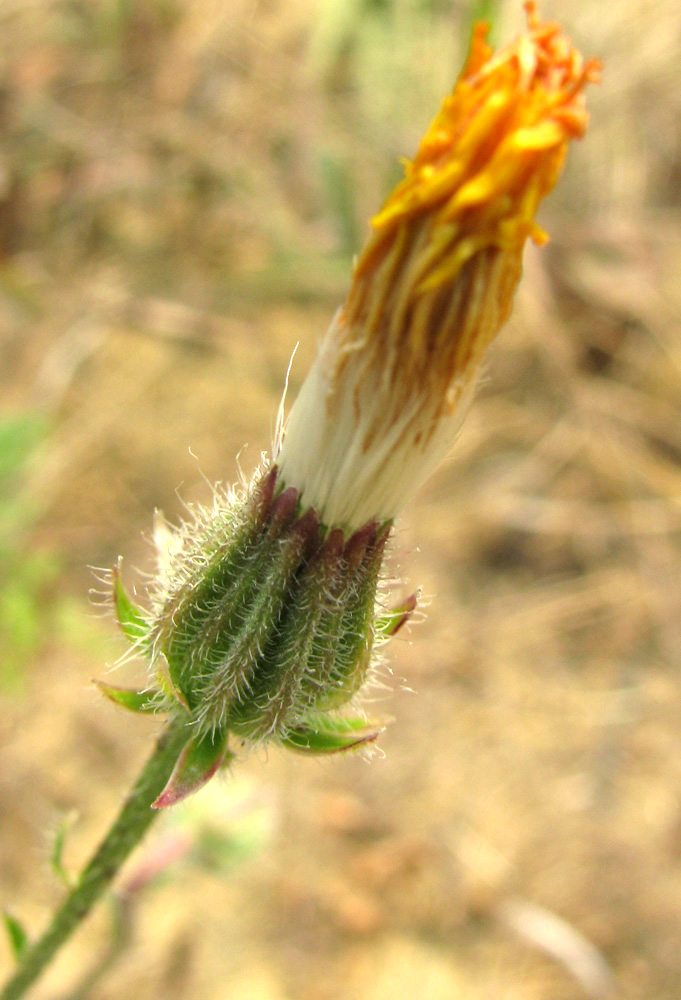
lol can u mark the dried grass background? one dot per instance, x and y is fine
(182, 186)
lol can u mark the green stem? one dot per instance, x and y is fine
(132, 822)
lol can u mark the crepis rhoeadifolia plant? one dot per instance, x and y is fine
(267, 613)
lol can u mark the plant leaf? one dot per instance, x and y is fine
(16, 932)
(129, 616)
(147, 701)
(391, 622)
(166, 681)
(196, 765)
(325, 735)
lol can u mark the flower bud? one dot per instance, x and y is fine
(262, 623)
(266, 616)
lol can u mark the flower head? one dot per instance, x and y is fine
(264, 618)
(435, 281)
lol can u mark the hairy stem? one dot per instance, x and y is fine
(132, 822)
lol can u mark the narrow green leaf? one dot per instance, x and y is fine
(196, 765)
(391, 622)
(336, 735)
(147, 702)
(166, 681)
(18, 937)
(130, 618)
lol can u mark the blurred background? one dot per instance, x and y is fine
(183, 184)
